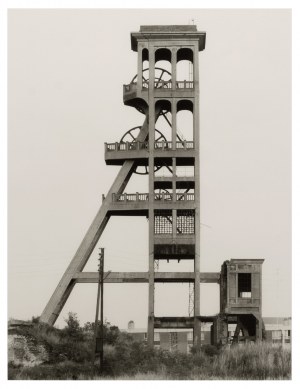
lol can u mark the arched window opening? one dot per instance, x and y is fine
(163, 69)
(184, 69)
(185, 124)
(145, 68)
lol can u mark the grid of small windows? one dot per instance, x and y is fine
(185, 223)
(162, 221)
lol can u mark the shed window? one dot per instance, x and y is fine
(276, 334)
(244, 285)
(190, 336)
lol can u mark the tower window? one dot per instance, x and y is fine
(244, 285)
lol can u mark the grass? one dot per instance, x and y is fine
(135, 361)
(70, 353)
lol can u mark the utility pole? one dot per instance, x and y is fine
(101, 359)
(99, 292)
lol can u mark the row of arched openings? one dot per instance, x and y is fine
(163, 65)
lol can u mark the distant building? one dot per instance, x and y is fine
(277, 331)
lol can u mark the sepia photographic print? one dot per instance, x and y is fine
(149, 194)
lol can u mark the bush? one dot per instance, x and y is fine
(73, 329)
(71, 351)
(210, 350)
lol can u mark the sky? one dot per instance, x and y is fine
(66, 70)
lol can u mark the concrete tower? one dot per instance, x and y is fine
(174, 201)
(160, 91)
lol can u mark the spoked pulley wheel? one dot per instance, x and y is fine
(131, 137)
(161, 80)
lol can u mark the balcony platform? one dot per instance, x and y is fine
(131, 204)
(117, 153)
(136, 96)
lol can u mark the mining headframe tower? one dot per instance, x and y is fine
(172, 203)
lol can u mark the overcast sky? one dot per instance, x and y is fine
(66, 71)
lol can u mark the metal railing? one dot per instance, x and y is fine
(185, 196)
(161, 85)
(185, 145)
(130, 197)
(126, 146)
(136, 197)
(163, 196)
(185, 84)
(168, 84)
(161, 145)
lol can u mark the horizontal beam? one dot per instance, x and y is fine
(181, 322)
(173, 322)
(113, 277)
(143, 277)
(210, 277)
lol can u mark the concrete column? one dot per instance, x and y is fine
(174, 178)
(173, 63)
(140, 65)
(197, 332)
(197, 325)
(259, 329)
(174, 220)
(174, 123)
(151, 196)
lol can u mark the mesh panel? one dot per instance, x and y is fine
(185, 223)
(162, 222)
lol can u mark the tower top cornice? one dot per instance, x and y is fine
(168, 32)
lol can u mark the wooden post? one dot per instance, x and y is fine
(101, 359)
(97, 307)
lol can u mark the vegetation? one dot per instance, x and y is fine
(71, 353)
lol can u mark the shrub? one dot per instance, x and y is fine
(210, 350)
(71, 352)
(73, 328)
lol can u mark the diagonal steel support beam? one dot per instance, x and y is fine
(66, 284)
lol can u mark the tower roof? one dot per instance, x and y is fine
(167, 32)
